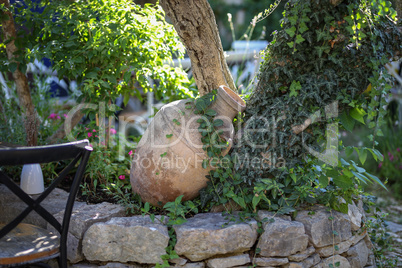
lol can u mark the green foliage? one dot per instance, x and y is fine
(111, 48)
(312, 63)
(381, 239)
(261, 23)
(385, 161)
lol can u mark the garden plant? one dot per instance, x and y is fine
(324, 72)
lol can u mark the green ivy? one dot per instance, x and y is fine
(323, 57)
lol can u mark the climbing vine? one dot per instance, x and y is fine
(324, 71)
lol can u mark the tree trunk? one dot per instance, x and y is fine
(195, 23)
(21, 81)
(398, 8)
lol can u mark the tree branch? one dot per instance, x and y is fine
(195, 24)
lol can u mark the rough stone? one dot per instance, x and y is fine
(271, 261)
(394, 227)
(120, 265)
(341, 247)
(307, 263)
(343, 262)
(302, 255)
(130, 239)
(282, 238)
(209, 234)
(358, 255)
(191, 265)
(264, 215)
(294, 265)
(320, 228)
(371, 259)
(355, 216)
(54, 203)
(178, 261)
(228, 261)
(82, 217)
(312, 260)
(108, 265)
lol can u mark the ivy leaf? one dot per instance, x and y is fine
(299, 39)
(291, 31)
(210, 112)
(205, 163)
(285, 210)
(218, 123)
(200, 104)
(303, 27)
(347, 121)
(290, 44)
(294, 87)
(358, 114)
(293, 19)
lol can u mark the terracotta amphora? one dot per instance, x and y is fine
(168, 159)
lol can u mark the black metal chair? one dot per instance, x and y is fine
(16, 249)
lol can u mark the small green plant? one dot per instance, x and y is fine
(381, 239)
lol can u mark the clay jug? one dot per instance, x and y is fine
(168, 159)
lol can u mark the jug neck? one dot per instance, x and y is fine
(228, 103)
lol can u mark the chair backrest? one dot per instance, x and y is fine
(74, 151)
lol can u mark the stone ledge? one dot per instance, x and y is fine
(100, 236)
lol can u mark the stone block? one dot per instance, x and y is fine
(271, 261)
(302, 255)
(336, 261)
(129, 239)
(358, 255)
(282, 238)
(210, 234)
(226, 262)
(320, 228)
(82, 217)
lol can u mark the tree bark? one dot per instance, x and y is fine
(195, 23)
(21, 81)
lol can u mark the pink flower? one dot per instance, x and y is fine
(54, 116)
(93, 130)
(112, 131)
(122, 177)
(380, 165)
(89, 134)
(65, 115)
(399, 150)
(130, 153)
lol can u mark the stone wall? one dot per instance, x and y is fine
(101, 236)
